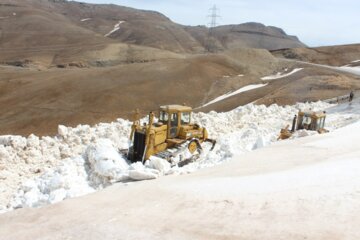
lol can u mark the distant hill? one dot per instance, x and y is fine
(247, 35)
(49, 25)
(331, 55)
(44, 33)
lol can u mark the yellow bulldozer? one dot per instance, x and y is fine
(308, 120)
(173, 137)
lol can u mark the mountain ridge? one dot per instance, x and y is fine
(144, 27)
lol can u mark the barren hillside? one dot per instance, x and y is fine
(32, 35)
(247, 35)
(37, 101)
(39, 24)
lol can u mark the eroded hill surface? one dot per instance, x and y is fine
(39, 26)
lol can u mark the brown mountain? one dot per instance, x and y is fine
(247, 35)
(51, 24)
(40, 33)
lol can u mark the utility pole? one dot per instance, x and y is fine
(211, 45)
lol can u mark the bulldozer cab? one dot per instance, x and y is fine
(174, 116)
(309, 120)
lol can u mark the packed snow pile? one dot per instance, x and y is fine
(67, 180)
(23, 158)
(105, 161)
(37, 171)
(99, 166)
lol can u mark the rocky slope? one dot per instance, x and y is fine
(247, 35)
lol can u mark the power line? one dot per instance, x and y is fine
(211, 46)
(213, 17)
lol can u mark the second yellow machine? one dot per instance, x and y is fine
(307, 120)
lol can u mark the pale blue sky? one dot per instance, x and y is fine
(315, 22)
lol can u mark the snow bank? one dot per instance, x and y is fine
(105, 161)
(244, 129)
(66, 181)
(99, 166)
(159, 164)
(139, 172)
(243, 89)
(281, 75)
(25, 158)
(353, 70)
(84, 159)
(116, 28)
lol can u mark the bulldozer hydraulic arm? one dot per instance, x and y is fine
(211, 141)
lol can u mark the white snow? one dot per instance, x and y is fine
(116, 28)
(159, 164)
(346, 68)
(105, 161)
(66, 181)
(353, 70)
(25, 158)
(85, 19)
(241, 90)
(306, 188)
(139, 172)
(84, 159)
(280, 75)
(355, 61)
(331, 173)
